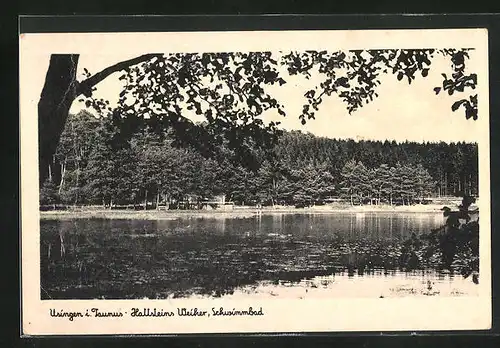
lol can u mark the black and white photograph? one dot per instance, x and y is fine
(210, 179)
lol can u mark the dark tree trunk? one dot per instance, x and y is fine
(445, 183)
(58, 93)
(158, 200)
(167, 202)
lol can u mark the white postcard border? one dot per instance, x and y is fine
(281, 315)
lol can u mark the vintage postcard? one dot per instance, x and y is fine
(255, 182)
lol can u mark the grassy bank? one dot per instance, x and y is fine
(242, 212)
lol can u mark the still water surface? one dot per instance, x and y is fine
(105, 258)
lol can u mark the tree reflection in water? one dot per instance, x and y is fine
(157, 259)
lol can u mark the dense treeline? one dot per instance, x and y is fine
(404, 184)
(453, 167)
(98, 162)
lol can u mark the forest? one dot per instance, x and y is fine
(99, 162)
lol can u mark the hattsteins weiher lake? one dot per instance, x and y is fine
(286, 174)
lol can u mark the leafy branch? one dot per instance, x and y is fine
(354, 75)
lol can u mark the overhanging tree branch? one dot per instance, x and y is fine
(85, 87)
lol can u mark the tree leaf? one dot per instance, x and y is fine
(457, 104)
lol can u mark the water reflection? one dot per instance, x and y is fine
(374, 285)
(98, 258)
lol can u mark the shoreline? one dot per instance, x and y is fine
(87, 213)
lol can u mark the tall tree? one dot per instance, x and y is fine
(273, 180)
(105, 164)
(349, 181)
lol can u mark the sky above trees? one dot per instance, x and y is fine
(401, 112)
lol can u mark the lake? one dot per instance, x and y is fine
(220, 256)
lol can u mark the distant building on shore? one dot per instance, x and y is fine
(217, 202)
